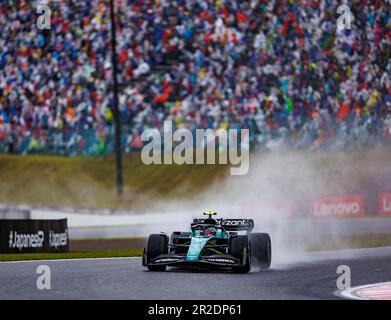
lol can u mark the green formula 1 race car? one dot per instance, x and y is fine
(211, 243)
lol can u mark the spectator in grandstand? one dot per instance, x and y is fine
(280, 68)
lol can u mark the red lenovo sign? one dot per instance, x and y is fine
(384, 200)
(338, 207)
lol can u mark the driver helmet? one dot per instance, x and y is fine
(210, 232)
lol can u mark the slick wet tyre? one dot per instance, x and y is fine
(157, 244)
(261, 250)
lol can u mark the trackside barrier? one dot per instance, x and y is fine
(351, 206)
(384, 203)
(34, 236)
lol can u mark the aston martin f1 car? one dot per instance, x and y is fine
(210, 243)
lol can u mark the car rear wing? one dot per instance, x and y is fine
(238, 224)
(232, 224)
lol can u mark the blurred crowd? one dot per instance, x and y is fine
(278, 67)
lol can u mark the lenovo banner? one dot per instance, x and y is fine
(338, 207)
(384, 201)
(32, 236)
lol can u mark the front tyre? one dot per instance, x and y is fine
(157, 245)
(261, 250)
(240, 249)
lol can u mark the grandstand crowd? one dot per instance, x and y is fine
(281, 68)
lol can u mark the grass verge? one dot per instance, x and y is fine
(90, 181)
(355, 241)
(132, 252)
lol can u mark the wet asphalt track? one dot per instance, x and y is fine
(314, 277)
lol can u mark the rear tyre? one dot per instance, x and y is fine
(261, 250)
(157, 244)
(240, 249)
